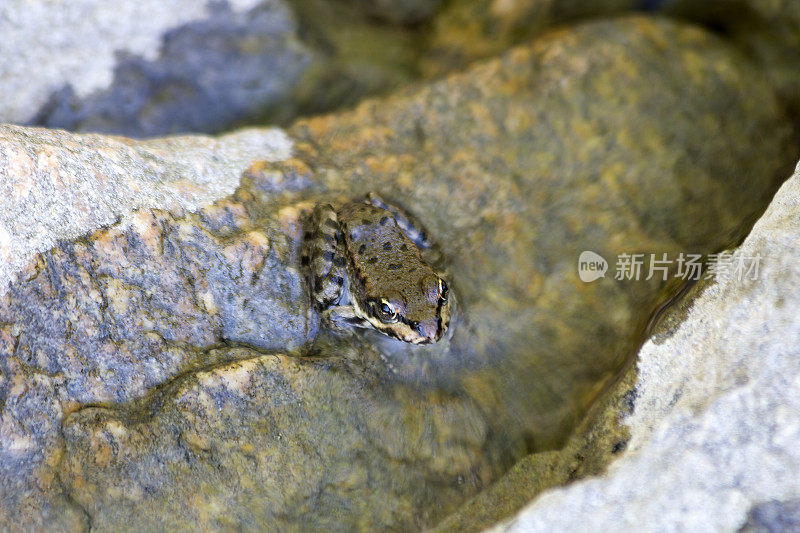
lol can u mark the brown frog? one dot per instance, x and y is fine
(364, 269)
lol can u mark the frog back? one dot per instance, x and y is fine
(384, 261)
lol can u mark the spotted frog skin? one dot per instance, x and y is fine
(364, 269)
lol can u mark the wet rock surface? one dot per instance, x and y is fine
(278, 443)
(716, 414)
(596, 442)
(153, 364)
(583, 131)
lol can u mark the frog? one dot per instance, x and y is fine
(364, 265)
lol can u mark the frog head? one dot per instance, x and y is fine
(417, 311)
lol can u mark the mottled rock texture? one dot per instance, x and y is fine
(54, 185)
(768, 33)
(774, 517)
(149, 370)
(467, 30)
(716, 417)
(46, 45)
(147, 68)
(230, 68)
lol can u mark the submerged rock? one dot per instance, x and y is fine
(605, 137)
(768, 33)
(275, 443)
(150, 369)
(716, 418)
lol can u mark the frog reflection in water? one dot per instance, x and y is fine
(364, 269)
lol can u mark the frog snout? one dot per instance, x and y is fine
(428, 329)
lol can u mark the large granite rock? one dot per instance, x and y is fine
(151, 368)
(75, 327)
(716, 417)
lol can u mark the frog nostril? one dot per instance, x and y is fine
(426, 329)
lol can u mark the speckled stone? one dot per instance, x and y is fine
(773, 516)
(149, 369)
(106, 319)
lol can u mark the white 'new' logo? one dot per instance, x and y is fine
(591, 266)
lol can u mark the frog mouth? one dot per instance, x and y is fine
(405, 334)
(417, 337)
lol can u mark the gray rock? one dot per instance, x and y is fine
(46, 45)
(774, 517)
(209, 75)
(73, 329)
(57, 186)
(716, 421)
(147, 68)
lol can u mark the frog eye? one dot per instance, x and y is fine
(386, 311)
(443, 290)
